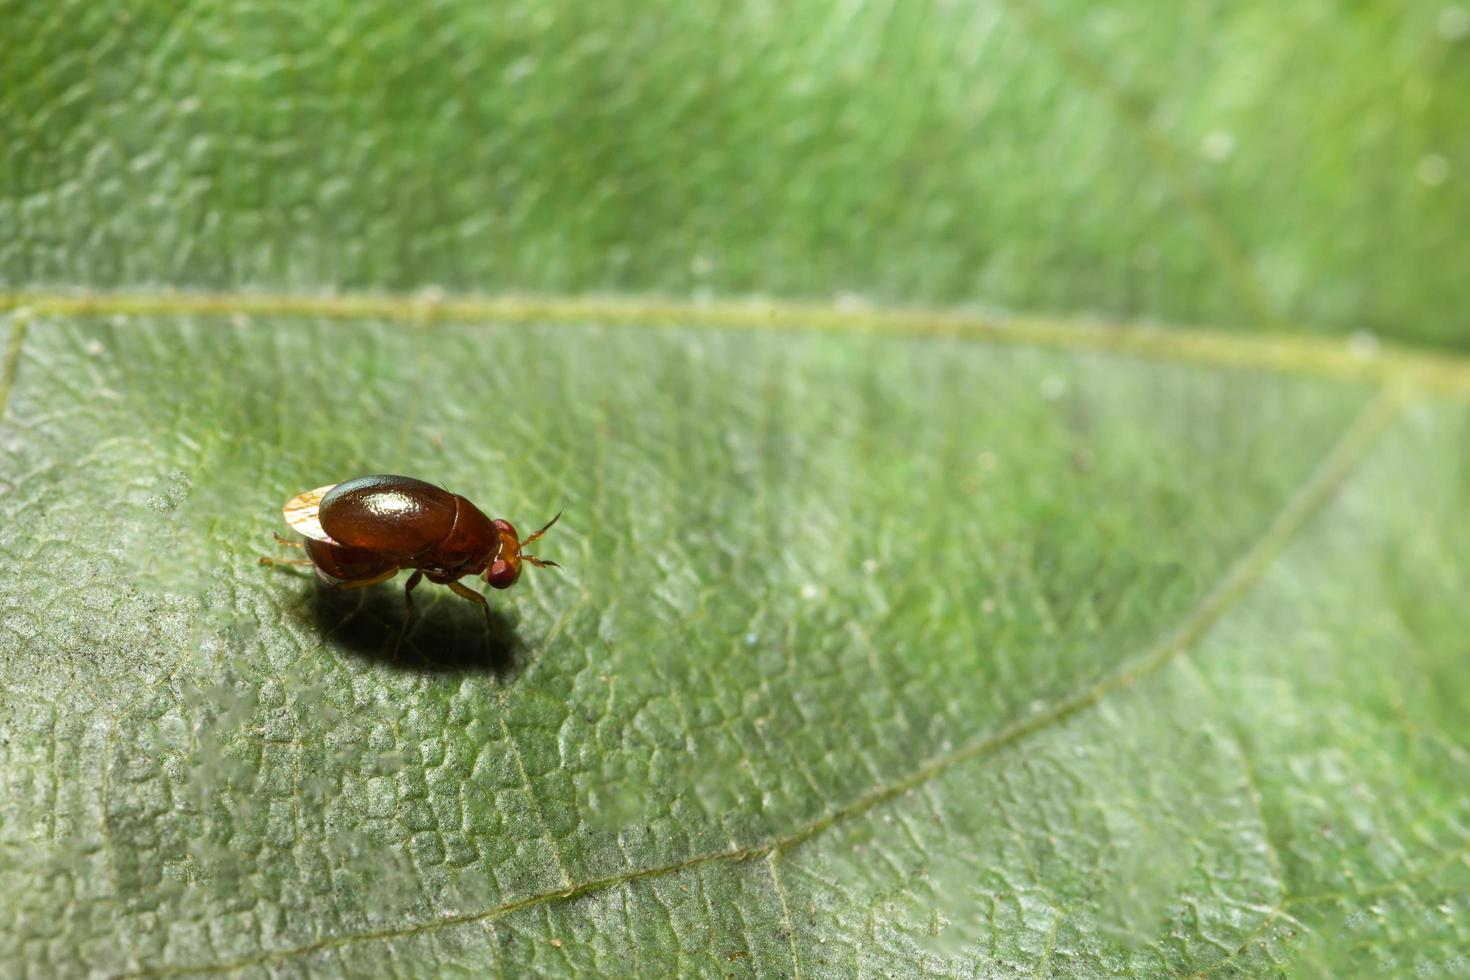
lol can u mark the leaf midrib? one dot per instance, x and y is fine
(1302, 353)
(1330, 473)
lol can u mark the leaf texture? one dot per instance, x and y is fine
(895, 640)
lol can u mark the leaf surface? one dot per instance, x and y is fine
(886, 643)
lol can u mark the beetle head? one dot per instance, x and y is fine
(506, 568)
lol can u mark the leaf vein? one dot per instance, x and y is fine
(1283, 352)
(1338, 464)
(12, 360)
(786, 920)
(1128, 109)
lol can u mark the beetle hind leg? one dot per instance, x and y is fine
(268, 560)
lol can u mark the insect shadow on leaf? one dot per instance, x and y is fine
(445, 637)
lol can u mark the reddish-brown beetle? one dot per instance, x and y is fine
(363, 531)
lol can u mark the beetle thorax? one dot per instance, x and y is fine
(471, 544)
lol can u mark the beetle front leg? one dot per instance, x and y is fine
(475, 597)
(470, 594)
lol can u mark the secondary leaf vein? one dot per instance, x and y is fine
(12, 360)
(1340, 461)
(1127, 108)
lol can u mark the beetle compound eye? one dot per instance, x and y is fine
(502, 574)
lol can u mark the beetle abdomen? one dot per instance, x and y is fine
(394, 516)
(338, 564)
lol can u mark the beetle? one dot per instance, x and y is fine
(363, 531)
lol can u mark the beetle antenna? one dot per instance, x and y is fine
(544, 528)
(538, 562)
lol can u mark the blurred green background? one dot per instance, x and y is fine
(1238, 164)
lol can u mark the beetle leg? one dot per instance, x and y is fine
(287, 541)
(470, 594)
(409, 586)
(267, 560)
(473, 596)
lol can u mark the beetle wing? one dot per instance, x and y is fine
(301, 513)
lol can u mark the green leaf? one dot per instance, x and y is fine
(1237, 164)
(887, 642)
